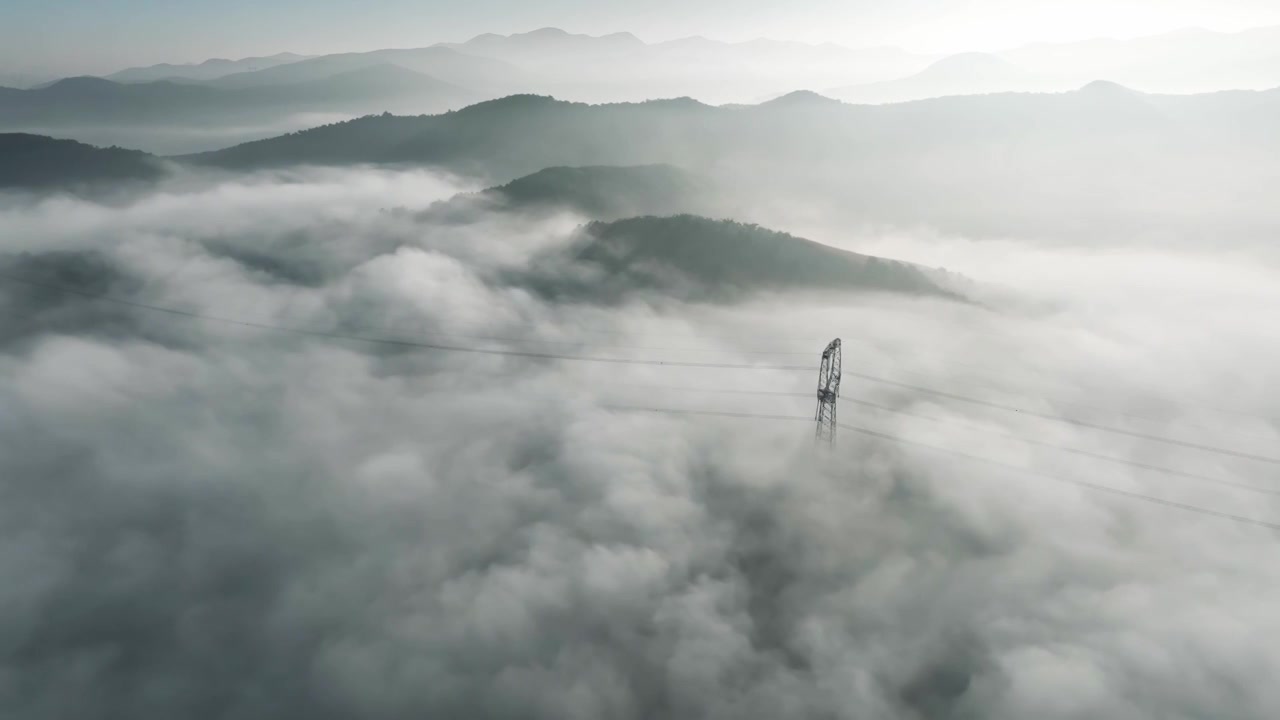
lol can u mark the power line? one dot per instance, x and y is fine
(673, 363)
(630, 361)
(713, 413)
(403, 343)
(1069, 481)
(740, 351)
(973, 458)
(1010, 408)
(984, 382)
(162, 277)
(1063, 448)
(580, 344)
(1060, 419)
(717, 391)
(980, 428)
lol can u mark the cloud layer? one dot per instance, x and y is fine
(212, 521)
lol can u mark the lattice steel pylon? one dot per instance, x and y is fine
(828, 392)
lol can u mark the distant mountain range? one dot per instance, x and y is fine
(548, 44)
(22, 80)
(1002, 164)
(67, 105)
(680, 256)
(1190, 61)
(384, 86)
(479, 74)
(620, 66)
(966, 74)
(520, 134)
(235, 100)
(207, 70)
(949, 161)
(580, 67)
(1186, 61)
(185, 108)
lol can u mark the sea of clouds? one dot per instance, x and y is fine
(212, 519)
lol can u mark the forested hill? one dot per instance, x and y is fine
(989, 164)
(521, 134)
(38, 162)
(698, 258)
(597, 192)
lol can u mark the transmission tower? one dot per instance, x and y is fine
(828, 392)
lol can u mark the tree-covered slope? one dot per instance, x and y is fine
(597, 192)
(1102, 158)
(39, 162)
(698, 258)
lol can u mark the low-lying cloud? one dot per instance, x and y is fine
(202, 519)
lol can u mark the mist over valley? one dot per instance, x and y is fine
(495, 379)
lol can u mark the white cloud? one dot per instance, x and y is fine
(210, 521)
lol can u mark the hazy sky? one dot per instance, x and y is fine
(73, 36)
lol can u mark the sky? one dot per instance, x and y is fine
(101, 36)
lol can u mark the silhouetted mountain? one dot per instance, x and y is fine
(548, 44)
(386, 83)
(799, 99)
(947, 160)
(601, 191)
(71, 101)
(198, 72)
(521, 134)
(965, 74)
(611, 67)
(620, 67)
(597, 192)
(21, 81)
(1184, 61)
(484, 76)
(696, 258)
(35, 162)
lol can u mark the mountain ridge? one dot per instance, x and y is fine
(946, 160)
(526, 109)
(205, 70)
(596, 192)
(38, 162)
(620, 65)
(383, 86)
(696, 258)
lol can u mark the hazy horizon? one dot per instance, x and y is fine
(110, 37)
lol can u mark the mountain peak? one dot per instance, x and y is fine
(623, 37)
(81, 83)
(1108, 88)
(551, 37)
(969, 64)
(512, 103)
(701, 259)
(386, 73)
(801, 98)
(547, 32)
